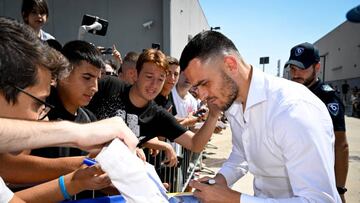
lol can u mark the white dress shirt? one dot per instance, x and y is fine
(285, 139)
(5, 193)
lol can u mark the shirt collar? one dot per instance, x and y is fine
(256, 94)
(257, 89)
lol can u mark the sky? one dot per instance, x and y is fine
(261, 28)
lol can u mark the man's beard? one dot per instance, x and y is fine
(230, 85)
(310, 79)
(307, 81)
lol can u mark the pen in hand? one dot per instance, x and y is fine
(209, 182)
(89, 162)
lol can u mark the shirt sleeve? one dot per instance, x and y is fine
(5, 193)
(236, 165)
(337, 113)
(168, 125)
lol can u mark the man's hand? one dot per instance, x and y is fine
(213, 111)
(140, 153)
(116, 54)
(89, 178)
(92, 136)
(170, 156)
(214, 193)
(154, 152)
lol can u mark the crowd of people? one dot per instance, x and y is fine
(61, 104)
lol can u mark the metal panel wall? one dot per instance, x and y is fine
(173, 21)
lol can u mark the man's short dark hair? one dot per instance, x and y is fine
(172, 60)
(21, 54)
(205, 45)
(129, 60)
(77, 51)
(38, 6)
(131, 57)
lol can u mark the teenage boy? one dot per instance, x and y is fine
(74, 92)
(136, 106)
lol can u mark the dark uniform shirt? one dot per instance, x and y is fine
(333, 104)
(166, 103)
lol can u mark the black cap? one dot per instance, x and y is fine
(303, 55)
(354, 15)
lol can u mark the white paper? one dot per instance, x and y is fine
(136, 181)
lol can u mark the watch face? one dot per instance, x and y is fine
(341, 190)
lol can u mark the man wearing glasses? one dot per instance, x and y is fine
(25, 76)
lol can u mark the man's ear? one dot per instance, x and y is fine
(231, 63)
(317, 67)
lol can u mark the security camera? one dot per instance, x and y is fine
(148, 24)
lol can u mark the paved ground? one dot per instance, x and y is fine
(222, 141)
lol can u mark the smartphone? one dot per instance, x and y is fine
(89, 20)
(200, 112)
(155, 46)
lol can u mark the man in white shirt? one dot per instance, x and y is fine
(282, 133)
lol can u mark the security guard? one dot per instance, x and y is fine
(304, 64)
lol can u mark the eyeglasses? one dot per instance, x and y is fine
(44, 112)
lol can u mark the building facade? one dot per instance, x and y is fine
(133, 24)
(339, 56)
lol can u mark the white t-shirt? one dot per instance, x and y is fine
(184, 106)
(5, 193)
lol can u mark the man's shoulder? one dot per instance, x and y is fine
(327, 94)
(333, 103)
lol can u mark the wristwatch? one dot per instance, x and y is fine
(341, 190)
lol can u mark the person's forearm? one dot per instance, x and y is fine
(156, 144)
(341, 158)
(16, 199)
(189, 121)
(50, 191)
(27, 169)
(201, 138)
(16, 135)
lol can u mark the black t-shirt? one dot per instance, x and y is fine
(112, 99)
(333, 103)
(166, 103)
(60, 113)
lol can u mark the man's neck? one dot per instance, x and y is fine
(135, 99)
(181, 91)
(313, 82)
(165, 93)
(71, 108)
(244, 84)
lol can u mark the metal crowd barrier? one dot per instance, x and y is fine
(178, 177)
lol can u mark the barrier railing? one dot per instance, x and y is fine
(179, 176)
